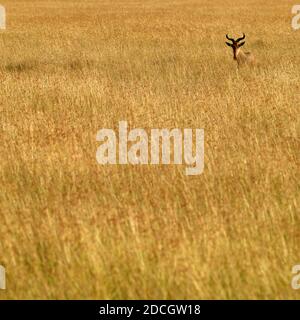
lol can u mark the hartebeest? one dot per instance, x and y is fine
(239, 55)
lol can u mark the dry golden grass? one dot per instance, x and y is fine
(71, 228)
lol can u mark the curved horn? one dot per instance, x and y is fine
(229, 38)
(242, 38)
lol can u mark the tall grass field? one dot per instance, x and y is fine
(71, 228)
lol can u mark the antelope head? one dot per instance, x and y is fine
(235, 45)
(238, 54)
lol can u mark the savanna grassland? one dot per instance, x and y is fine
(71, 228)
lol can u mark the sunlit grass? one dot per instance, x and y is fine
(71, 228)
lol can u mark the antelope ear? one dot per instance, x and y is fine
(242, 43)
(229, 44)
